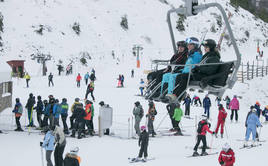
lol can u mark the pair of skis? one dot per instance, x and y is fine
(135, 160)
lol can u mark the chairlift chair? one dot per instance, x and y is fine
(227, 72)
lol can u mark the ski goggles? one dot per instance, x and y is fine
(190, 41)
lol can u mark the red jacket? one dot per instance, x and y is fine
(88, 112)
(205, 129)
(227, 157)
(78, 78)
(222, 114)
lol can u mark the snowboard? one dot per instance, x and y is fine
(203, 156)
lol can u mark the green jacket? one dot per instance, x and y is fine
(177, 114)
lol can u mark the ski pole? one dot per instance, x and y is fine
(161, 121)
(211, 144)
(226, 131)
(42, 157)
(260, 133)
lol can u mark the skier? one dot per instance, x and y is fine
(46, 114)
(72, 159)
(92, 76)
(93, 71)
(228, 100)
(78, 79)
(102, 104)
(143, 143)
(48, 144)
(18, 109)
(234, 106)
(206, 105)
(60, 67)
(39, 109)
(27, 77)
(265, 113)
(56, 113)
(218, 100)
(151, 116)
(50, 79)
(258, 108)
(87, 118)
(90, 89)
(177, 118)
(73, 117)
(86, 77)
(142, 85)
(119, 81)
(170, 108)
(132, 73)
(79, 113)
(221, 120)
(195, 100)
(203, 128)
(64, 114)
(50, 111)
(122, 80)
(250, 111)
(138, 113)
(252, 123)
(227, 156)
(30, 105)
(187, 102)
(60, 142)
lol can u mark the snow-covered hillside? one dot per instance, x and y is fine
(101, 32)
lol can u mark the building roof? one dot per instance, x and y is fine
(5, 72)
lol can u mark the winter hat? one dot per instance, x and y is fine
(74, 150)
(101, 103)
(226, 147)
(220, 106)
(30, 95)
(210, 43)
(193, 40)
(143, 128)
(76, 99)
(257, 103)
(39, 97)
(137, 103)
(17, 100)
(235, 96)
(64, 100)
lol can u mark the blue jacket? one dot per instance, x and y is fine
(258, 110)
(86, 76)
(253, 120)
(64, 109)
(56, 110)
(46, 110)
(39, 106)
(49, 141)
(206, 102)
(18, 108)
(194, 58)
(187, 101)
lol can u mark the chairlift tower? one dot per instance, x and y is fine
(42, 58)
(137, 48)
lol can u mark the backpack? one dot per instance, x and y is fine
(200, 127)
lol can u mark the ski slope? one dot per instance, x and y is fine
(114, 150)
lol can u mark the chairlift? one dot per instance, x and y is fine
(227, 73)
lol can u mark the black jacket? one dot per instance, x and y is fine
(71, 160)
(209, 57)
(30, 103)
(79, 112)
(40, 106)
(144, 138)
(179, 59)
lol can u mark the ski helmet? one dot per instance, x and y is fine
(74, 150)
(143, 128)
(39, 97)
(76, 99)
(87, 102)
(220, 106)
(181, 44)
(210, 43)
(30, 95)
(17, 100)
(137, 103)
(193, 40)
(151, 103)
(64, 100)
(254, 110)
(101, 103)
(257, 103)
(226, 147)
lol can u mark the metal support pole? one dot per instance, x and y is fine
(252, 74)
(242, 74)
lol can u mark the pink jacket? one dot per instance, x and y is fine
(234, 104)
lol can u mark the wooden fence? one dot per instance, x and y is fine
(249, 71)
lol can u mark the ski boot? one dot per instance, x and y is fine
(216, 135)
(245, 144)
(17, 129)
(195, 153)
(144, 159)
(254, 144)
(204, 153)
(178, 133)
(221, 135)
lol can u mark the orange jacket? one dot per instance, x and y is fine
(88, 112)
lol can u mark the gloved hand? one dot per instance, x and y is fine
(223, 119)
(213, 132)
(221, 163)
(41, 143)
